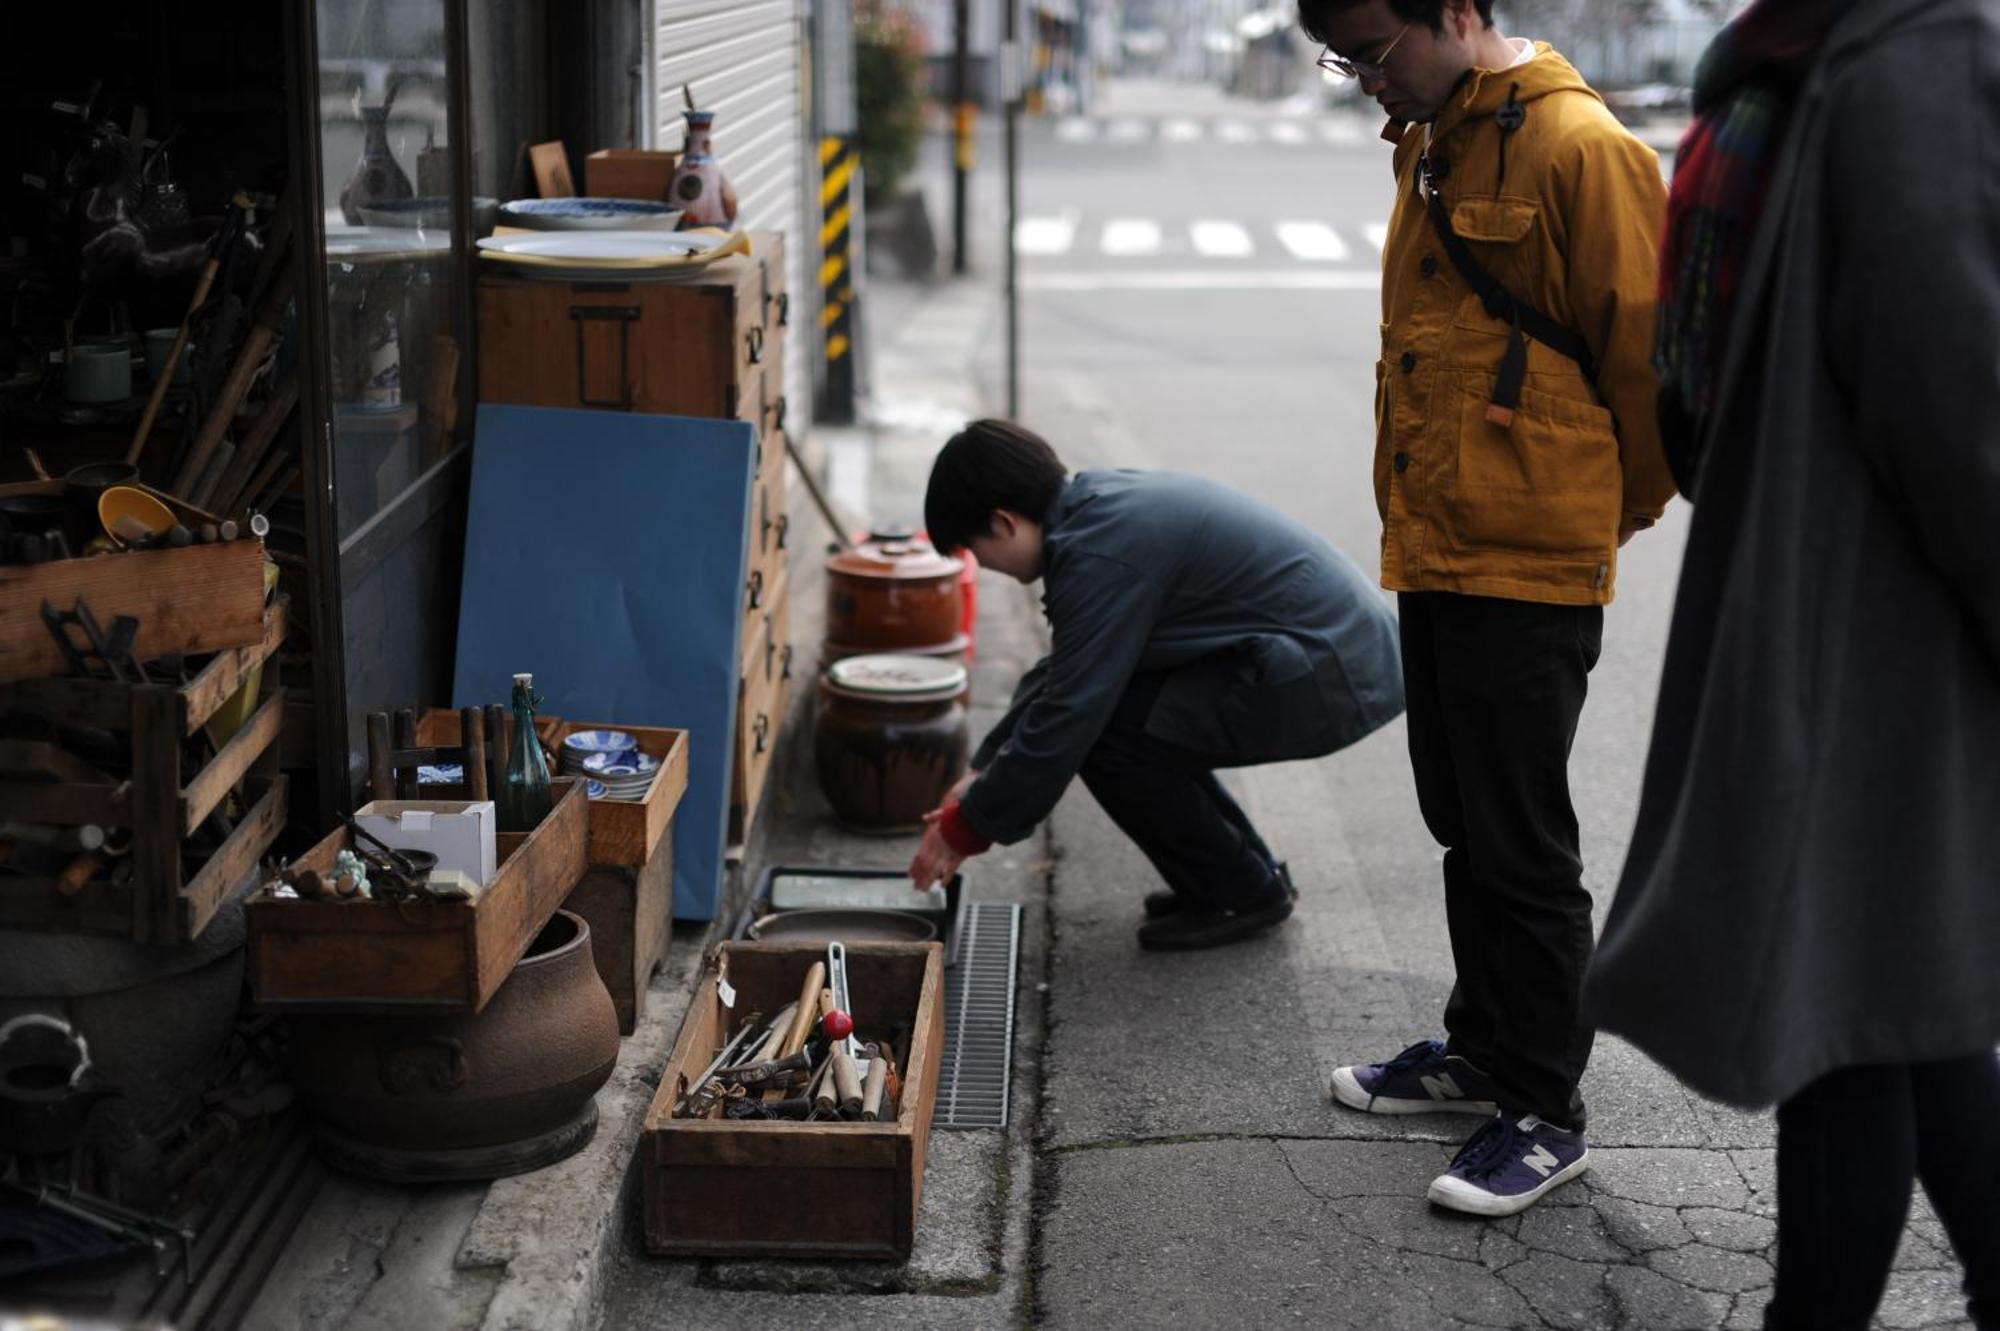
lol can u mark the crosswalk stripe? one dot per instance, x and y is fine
(1076, 129)
(1207, 279)
(1378, 234)
(1287, 131)
(1339, 131)
(1180, 131)
(1234, 131)
(1221, 240)
(1044, 235)
(1125, 237)
(1126, 131)
(1312, 240)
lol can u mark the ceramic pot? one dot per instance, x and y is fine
(377, 177)
(893, 592)
(890, 739)
(473, 1095)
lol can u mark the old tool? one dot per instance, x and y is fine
(758, 1075)
(846, 1081)
(720, 1060)
(224, 242)
(873, 1106)
(836, 969)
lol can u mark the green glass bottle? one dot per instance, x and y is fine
(525, 797)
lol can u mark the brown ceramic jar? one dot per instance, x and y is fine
(890, 739)
(891, 593)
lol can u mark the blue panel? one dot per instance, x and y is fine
(606, 553)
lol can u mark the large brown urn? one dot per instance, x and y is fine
(483, 1095)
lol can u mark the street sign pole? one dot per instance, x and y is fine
(1011, 65)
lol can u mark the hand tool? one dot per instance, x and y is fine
(836, 969)
(874, 1108)
(803, 1014)
(709, 1072)
(846, 1081)
(225, 241)
(249, 360)
(759, 1075)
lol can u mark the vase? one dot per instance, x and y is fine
(699, 189)
(377, 178)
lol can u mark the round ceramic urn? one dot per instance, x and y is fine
(893, 593)
(890, 739)
(468, 1096)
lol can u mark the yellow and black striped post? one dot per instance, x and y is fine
(840, 188)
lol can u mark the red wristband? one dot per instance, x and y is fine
(958, 833)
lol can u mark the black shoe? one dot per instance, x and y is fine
(1189, 929)
(1161, 904)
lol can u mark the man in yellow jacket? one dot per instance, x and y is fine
(1515, 450)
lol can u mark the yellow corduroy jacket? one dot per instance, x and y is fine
(1532, 511)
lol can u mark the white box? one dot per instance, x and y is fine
(459, 832)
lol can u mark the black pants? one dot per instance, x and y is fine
(1849, 1147)
(1495, 688)
(1166, 798)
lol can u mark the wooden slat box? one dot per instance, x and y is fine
(195, 600)
(161, 903)
(717, 1187)
(627, 893)
(439, 956)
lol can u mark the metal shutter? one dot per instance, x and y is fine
(742, 59)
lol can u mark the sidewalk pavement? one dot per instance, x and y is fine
(1172, 1160)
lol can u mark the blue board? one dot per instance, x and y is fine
(605, 552)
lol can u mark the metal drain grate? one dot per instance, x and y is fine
(979, 1019)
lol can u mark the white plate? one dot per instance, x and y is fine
(586, 246)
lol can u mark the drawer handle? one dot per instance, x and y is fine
(770, 653)
(785, 670)
(756, 338)
(784, 309)
(762, 730)
(784, 528)
(780, 421)
(757, 589)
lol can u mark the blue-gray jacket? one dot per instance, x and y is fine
(1279, 648)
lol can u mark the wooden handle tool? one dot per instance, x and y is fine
(846, 1084)
(874, 1108)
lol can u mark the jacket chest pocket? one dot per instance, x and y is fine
(1505, 236)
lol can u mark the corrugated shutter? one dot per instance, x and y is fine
(742, 59)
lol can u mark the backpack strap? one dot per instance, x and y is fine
(1523, 320)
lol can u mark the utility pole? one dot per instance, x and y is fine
(961, 121)
(1011, 90)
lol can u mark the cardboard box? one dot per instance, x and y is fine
(628, 173)
(463, 834)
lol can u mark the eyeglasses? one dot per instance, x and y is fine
(1361, 69)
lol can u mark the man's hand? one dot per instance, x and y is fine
(935, 860)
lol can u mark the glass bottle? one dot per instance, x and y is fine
(525, 796)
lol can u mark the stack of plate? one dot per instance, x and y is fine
(579, 746)
(626, 776)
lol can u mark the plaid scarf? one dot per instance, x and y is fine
(1743, 95)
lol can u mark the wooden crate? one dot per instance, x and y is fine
(626, 831)
(439, 956)
(630, 912)
(693, 347)
(161, 903)
(628, 173)
(781, 1189)
(195, 600)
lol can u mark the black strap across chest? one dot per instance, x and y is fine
(1523, 319)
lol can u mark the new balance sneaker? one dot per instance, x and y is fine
(1509, 1165)
(1423, 1079)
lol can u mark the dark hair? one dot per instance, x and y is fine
(1313, 14)
(988, 466)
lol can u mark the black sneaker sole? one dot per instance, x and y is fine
(1182, 932)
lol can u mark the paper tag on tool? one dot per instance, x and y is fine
(726, 992)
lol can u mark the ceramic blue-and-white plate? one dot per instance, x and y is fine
(594, 789)
(588, 214)
(588, 742)
(615, 766)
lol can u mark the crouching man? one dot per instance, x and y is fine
(1192, 628)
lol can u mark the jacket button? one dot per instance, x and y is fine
(1409, 361)
(1429, 266)
(1402, 461)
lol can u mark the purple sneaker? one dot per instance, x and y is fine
(1506, 1166)
(1423, 1079)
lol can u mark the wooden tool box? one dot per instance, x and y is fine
(704, 345)
(428, 956)
(161, 804)
(721, 1187)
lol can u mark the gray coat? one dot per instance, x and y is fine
(1814, 881)
(1279, 647)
